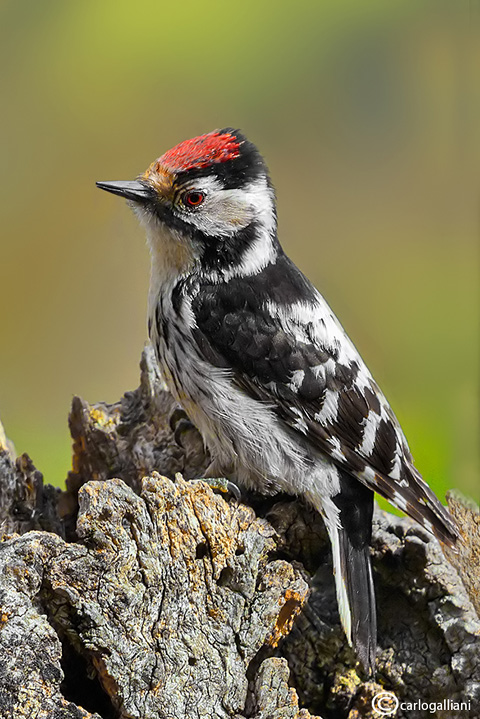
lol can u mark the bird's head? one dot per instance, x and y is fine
(207, 204)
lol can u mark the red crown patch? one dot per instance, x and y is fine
(201, 152)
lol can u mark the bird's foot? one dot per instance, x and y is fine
(221, 484)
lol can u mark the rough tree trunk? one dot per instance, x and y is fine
(151, 596)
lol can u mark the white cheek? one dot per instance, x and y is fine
(222, 216)
(225, 212)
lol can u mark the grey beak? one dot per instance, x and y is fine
(134, 190)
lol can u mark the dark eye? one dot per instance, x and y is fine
(194, 198)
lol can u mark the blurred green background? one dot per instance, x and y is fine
(368, 115)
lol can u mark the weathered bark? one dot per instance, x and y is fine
(151, 596)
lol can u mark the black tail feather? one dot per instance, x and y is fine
(355, 502)
(357, 574)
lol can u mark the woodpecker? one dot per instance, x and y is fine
(262, 366)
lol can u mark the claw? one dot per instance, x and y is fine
(221, 484)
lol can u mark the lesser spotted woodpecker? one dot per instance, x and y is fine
(262, 366)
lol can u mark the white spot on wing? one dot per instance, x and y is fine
(299, 423)
(364, 379)
(396, 470)
(297, 378)
(329, 410)
(319, 372)
(369, 434)
(301, 426)
(336, 449)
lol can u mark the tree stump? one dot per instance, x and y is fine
(135, 593)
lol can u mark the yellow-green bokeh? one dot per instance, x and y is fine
(368, 115)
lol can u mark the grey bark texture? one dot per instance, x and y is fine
(137, 594)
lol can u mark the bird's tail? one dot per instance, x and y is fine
(350, 537)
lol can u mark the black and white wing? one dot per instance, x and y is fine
(285, 347)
